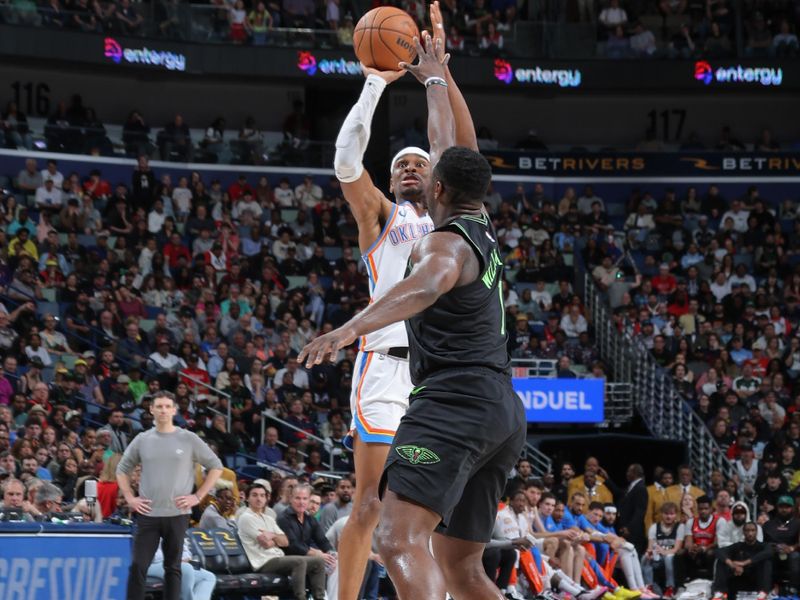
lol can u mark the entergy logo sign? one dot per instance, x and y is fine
(171, 61)
(536, 75)
(766, 76)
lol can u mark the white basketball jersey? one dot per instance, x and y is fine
(387, 261)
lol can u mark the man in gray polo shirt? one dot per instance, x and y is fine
(167, 455)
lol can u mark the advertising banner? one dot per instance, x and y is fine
(621, 164)
(64, 566)
(562, 400)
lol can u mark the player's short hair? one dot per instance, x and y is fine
(535, 483)
(465, 175)
(595, 506)
(256, 486)
(164, 394)
(547, 496)
(703, 500)
(668, 507)
(578, 495)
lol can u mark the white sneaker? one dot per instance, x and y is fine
(513, 594)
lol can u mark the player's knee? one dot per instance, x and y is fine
(366, 510)
(463, 579)
(390, 544)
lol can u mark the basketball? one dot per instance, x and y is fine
(384, 37)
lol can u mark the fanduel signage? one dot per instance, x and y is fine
(144, 56)
(562, 400)
(64, 567)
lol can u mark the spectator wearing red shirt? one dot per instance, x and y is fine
(96, 186)
(238, 188)
(196, 373)
(664, 283)
(175, 250)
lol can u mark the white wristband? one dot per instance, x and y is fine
(434, 81)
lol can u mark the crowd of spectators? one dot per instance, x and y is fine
(693, 28)
(113, 290)
(75, 128)
(657, 540)
(715, 298)
(626, 28)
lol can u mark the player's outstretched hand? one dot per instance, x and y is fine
(431, 58)
(326, 345)
(437, 23)
(387, 76)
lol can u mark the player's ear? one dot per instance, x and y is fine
(437, 189)
(391, 186)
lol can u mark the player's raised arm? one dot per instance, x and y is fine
(430, 71)
(465, 126)
(365, 200)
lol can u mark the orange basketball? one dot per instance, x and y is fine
(384, 37)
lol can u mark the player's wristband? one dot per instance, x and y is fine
(435, 81)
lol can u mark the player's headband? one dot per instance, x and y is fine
(409, 150)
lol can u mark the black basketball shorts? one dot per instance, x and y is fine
(455, 448)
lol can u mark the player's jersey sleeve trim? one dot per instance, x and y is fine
(384, 231)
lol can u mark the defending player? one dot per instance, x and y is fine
(387, 231)
(465, 426)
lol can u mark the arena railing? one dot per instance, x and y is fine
(664, 411)
(540, 462)
(265, 415)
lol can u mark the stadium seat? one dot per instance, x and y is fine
(48, 307)
(146, 325)
(49, 294)
(154, 588)
(152, 311)
(238, 564)
(69, 360)
(213, 558)
(332, 253)
(296, 281)
(87, 241)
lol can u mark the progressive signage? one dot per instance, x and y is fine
(562, 400)
(67, 567)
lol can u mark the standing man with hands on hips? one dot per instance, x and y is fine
(167, 455)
